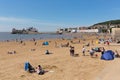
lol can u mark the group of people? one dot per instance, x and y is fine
(11, 52)
(72, 51)
(90, 51)
(38, 69)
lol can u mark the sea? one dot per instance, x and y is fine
(4, 36)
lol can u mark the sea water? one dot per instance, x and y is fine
(8, 36)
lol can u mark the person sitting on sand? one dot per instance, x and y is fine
(39, 70)
(33, 49)
(35, 43)
(102, 51)
(47, 52)
(92, 42)
(108, 43)
(67, 44)
(14, 52)
(11, 52)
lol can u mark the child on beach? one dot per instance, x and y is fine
(83, 51)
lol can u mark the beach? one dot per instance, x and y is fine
(59, 65)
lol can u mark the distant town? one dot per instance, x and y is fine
(104, 27)
(99, 28)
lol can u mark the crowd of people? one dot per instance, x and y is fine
(84, 51)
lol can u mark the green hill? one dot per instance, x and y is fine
(114, 22)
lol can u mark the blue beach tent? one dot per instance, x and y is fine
(108, 55)
(45, 43)
(28, 67)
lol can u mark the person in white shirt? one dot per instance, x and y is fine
(83, 51)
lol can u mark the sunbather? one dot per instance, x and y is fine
(39, 70)
(47, 52)
(117, 55)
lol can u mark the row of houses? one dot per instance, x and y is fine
(94, 28)
(115, 31)
(77, 29)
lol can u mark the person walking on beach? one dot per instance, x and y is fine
(83, 51)
(72, 51)
(92, 52)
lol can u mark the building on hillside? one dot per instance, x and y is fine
(66, 30)
(116, 33)
(89, 31)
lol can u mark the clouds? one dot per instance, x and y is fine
(7, 23)
(12, 19)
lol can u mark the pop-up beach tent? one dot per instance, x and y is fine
(108, 55)
(28, 67)
(45, 43)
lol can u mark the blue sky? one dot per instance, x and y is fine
(49, 15)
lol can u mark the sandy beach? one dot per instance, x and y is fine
(59, 65)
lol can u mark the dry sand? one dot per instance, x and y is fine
(60, 65)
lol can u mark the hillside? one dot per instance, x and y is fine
(114, 22)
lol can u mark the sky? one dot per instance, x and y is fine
(50, 15)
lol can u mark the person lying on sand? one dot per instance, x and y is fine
(65, 45)
(11, 52)
(39, 70)
(33, 49)
(117, 55)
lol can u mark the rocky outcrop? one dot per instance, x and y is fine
(30, 30)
